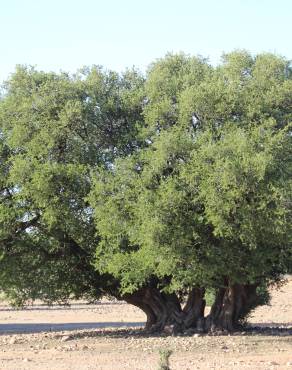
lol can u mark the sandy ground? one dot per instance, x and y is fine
(109, 336)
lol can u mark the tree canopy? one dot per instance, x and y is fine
(152, 189)
(54, 130)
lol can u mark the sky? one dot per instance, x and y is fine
(65, 35)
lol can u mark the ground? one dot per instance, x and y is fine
(109, 336)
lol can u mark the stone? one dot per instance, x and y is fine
(12, 340)
(65, 338)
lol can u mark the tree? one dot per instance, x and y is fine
(206, 204)
(149, 190)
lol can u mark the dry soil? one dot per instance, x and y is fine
(109, 335)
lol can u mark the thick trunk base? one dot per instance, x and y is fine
(231, 305)
(165, 314)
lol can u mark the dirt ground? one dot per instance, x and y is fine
(109, 336)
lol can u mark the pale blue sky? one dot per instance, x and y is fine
(68, 34)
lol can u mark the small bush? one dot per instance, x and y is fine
(164, 359)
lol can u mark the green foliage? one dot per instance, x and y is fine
(54, 129)
(164, 359)
(209, 297)
(109, 181)
(212, 186)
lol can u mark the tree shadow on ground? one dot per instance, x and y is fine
(140, 332)
(133, 329)
(62, 307)
(30, 328)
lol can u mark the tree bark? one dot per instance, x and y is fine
(164, 311)
(194, 309)
(232, 303)
(138, 299)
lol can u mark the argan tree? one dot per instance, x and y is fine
(152, 190)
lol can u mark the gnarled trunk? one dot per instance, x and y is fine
(231, 304)
(164, 310)
(138, 299)
(194, 310)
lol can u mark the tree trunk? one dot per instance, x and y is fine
(138, 299)
(164, 311)
(232, 303)
(194, 310)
